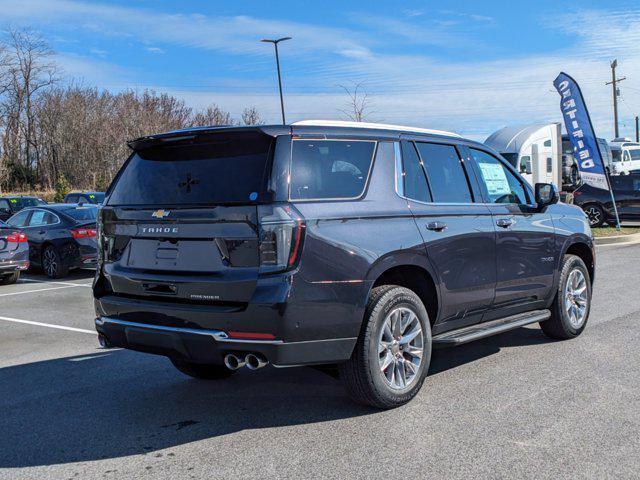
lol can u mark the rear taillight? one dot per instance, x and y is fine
(16, 237)
(83, 232)
(281, 236)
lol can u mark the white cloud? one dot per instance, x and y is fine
(157, 50)
(474, 97)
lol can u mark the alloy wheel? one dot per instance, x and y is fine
(576, 298)
(50, 262)
(594, 215)
(400, 348)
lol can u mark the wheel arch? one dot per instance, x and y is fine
(583, 248)
(410, 271)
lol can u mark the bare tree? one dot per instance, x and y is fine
(31, 72)
(250, 116)
(213, 115)
(358, 105)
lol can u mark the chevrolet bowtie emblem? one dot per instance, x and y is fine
(160, 214)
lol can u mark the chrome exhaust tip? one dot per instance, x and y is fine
(254, 362)
(233, 362)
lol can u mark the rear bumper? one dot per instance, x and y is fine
(210, 346)
(12, 266)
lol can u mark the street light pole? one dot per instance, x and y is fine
(275, 44)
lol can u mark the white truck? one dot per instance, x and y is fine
(542, 154)
(535, 150)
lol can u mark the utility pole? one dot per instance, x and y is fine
(614, 81)
(275, 44)
(637, 130)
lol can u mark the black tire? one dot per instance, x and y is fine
(362, 375)
(10, 279)
(559, 325)
(52, 264)
(594, 214)
(202, 371)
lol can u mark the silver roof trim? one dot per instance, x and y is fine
(377, 126)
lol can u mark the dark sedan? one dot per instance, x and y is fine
(61, 237)
(94, 198)
(14, 254)
(11, 205)
(598, 206)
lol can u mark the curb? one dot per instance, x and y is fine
(618, 239)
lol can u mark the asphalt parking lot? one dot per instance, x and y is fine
(513, 406)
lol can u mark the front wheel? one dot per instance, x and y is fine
(392, 354)
(202, 371)
(571, 307)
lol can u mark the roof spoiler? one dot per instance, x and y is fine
(190, 134)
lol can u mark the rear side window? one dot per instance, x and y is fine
(231, 169)
(445, 173)
(330, 169)
(72, 199)
(41, 217)
(415, 182)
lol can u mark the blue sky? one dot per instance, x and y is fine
(466, 66)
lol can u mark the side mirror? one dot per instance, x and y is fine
(546, 194)
(529, 170)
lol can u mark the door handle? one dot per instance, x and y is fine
(436, 226)
(505, 222)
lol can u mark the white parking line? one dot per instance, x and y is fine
(39, 290)
(88, 285)
(49, 325)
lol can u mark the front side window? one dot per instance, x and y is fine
(445, 173)
(635, 154)
(330, 169)
(501, 186)
(415, 182)
(19, 219)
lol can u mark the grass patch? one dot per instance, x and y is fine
(612, 231)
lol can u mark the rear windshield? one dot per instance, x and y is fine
(330, 169)
(231, 170)
(24, 202)
(95, 197)
(88, 213)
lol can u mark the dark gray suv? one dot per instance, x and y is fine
(357, 246)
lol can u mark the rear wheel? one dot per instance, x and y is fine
(595, 215)
(202, 371)
(392, 354)
(52, 263)
(10, 279)
(571, 307)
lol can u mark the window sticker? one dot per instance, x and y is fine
(495, 179)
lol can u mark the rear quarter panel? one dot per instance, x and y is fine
(348, 244)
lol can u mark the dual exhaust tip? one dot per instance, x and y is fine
(252, 361)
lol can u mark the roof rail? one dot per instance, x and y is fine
(378, 126)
